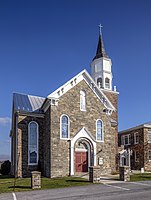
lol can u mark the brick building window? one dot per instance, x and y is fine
(149, 135)
(149, 155)
(82, 100)
(99, 131)
(125, 139)
(33, 143)
(136, 138)
(64, 127)
(136, 156)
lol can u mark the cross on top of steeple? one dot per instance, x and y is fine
(100, 47)
(100, 27)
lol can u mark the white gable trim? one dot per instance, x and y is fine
(83, 133)
(83, 75)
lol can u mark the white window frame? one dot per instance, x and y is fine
(136, 134)
(82, 100)
(136, 159)
(149, 156)
(123, 139)
(102, 131)
(61, 127)
(29, 143)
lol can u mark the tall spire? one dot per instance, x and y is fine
(101, 66)
(100, 48)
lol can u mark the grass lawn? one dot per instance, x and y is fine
(24, 184)
(141, 177)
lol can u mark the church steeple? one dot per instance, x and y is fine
(100, 52)
(101, 66)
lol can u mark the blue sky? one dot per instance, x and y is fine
(45, 43)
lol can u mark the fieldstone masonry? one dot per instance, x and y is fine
(142, 148)
(94, 174)
(36, 180)
(54, 153)
(124, 173)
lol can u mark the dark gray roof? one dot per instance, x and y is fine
(27, 103)
(100, 49)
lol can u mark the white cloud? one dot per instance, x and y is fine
(5, 121)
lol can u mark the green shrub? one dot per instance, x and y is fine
(5, 167)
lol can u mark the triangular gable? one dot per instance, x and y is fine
(84, 133)
(83, 75)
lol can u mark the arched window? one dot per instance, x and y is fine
(99, 130)
(107, 83)
(33, 143)
(64, 127)
(82, 100)
(99, 82)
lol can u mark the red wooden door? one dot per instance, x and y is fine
(81, 161)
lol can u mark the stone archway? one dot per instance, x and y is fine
(82, 142)
(83, 155)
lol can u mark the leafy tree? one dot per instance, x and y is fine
(5, 167)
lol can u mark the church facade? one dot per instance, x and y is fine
(74, 128)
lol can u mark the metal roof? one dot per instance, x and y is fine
(27, 103)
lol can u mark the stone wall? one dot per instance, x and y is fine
(135, 165)
(113, 97)
(124, 173)
(23, 168)
(147, 147)
(47, 144)
(137, 148)
(94, 174)
(13, 146)
(54, 153)
(69, 104)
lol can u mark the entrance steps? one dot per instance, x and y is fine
(105, 179)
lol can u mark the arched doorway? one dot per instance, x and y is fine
(83, 155)
(83, 135)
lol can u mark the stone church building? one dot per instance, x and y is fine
(73, 128)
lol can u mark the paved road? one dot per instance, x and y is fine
(107, 191)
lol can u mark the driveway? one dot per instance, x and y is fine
(106, 191)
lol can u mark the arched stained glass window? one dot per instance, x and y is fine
(33, 143)
(99, 130)
(82, 100)
(64, 126)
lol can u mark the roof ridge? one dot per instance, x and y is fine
(28, 95)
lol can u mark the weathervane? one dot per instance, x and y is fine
(100, 26)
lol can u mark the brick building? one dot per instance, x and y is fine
(135, 147)
(73, 128)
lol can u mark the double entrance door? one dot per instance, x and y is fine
(81, 161)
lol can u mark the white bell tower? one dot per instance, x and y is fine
(101, 66)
